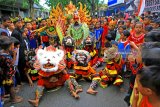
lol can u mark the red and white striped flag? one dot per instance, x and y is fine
(141, 7)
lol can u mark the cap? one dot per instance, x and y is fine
(14, 40)
(5, 40)
(3, 32)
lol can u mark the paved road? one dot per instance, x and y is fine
(108, 97)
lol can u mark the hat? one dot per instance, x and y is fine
(15, 41)
(3, 32)
(5, 40)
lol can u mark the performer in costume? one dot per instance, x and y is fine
(83, 70)
(54, 41)
(31, 73)
(111, 73)
(55, 29)
(52, 72)
(95, 61)
(76, 31)
(79, 29)
(114, 64)
(68, 44)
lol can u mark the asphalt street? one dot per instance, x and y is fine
(108, 97)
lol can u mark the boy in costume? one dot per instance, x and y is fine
(111, 73)
(52, 72)
(83, 70)
(89, 46)
(68, 44)
(79, 29)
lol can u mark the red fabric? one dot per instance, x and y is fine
(132, 31)
(145, 102)
(69, 49)
(134, 71)
(137, 40)
(33, 78)
(119, 65)
(94, 60)
(70, 63)
(45, 74)
(126, 43)
(45, 39)
(105, 32)
(82, 72)
(47, 84)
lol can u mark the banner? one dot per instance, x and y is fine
(153, 5)
(111, 2)
(114, 2)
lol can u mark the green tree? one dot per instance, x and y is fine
(53, 3)
(30, 4)
(92, 5)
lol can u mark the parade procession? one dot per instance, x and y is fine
(74, 58)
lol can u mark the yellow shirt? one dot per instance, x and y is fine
(140, 95)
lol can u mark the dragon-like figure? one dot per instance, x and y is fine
(56, 24)
(78, 28)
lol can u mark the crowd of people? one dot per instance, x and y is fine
(136, 38)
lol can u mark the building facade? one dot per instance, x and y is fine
(17, 7)
(152, 5)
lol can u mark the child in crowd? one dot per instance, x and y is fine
(124, 45)
(120, 32)
(7, 68)
(17, 74)
(134, 65)
(150, 55)
(128, 24)
(91, 30)
(138, 36)
(120, 23)
(133, 23)
(98, 34)
(32, 39)
(147, 20)
(155, 23)
(148, 29)
(105, 32)
(148, 85)
(108, 40)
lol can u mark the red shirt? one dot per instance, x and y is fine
(145, 102)
(105, 32)
(137, 40)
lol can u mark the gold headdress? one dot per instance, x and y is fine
(84, 14)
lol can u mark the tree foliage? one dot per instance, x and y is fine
(30, 4)
(92, 5)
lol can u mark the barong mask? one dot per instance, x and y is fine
(81, 57)
(50, 59)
